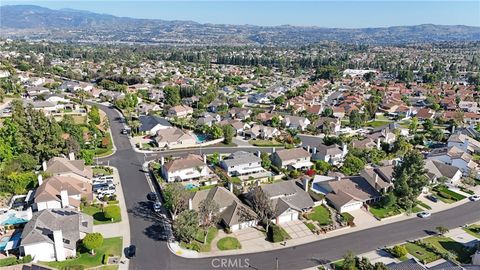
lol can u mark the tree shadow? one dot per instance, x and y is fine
(161, 229)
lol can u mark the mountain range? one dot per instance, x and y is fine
(39, 23)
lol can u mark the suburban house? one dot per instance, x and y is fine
(464, 142)
(261, 132)
(332, 154)
(328, 125)
(53, 234)
(380, 178)
(180, 111)
(242, 163)
(436, 169)
(456, 157)
(237, 125)
(288, 200)
(191, 167)
(173, 137)
(150, 124)
(240, 113)
(347, 194)
(68, 167)
(208, 119)
(296, 158)
(234, 215)
(61, 191)
(296, 122)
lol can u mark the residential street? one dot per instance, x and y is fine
(153, 253)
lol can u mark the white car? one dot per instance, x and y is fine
(424, 214)
(474, 198)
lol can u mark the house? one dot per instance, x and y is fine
(180, 111)
(261, 132)
(146, 108)
(410, 264)
(287, 199)
(173, 137)
(456, 157)
(464, 142)
(191, 167)
(48, 108)
(379, 179)
(68, 167)
(242, 163)
(436, 169)
(61, 191)
(233, 214)
(332, 154)
(296, 122)
(240, 113)
(208, 119)
(237, 125)
(150, 124)
(296, 158)
(215, 105)
(425, 113)
(328, 125)
(349, 194)
(53, 234)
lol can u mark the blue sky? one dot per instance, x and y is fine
(348, 14)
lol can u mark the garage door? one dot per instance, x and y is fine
(288, 217)
(351, 207)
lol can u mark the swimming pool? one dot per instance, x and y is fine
(4, 240)
(190, 186)
(13, 220)
(200, 138)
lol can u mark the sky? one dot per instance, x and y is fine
(343, 14)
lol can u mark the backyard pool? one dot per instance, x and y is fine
(4, 240)
(13, 220)
(200, 138)
(190, 186)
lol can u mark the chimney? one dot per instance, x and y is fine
(305, 184)
(378, 144)
(71, 156)
(308, 148)
(314, 151)
(259, 153)
(345, 149)
(190, 206)
(40, 179)
(204, 158)
(58, 244)
(338, 178)
(230, 186)
(44, 165)
(64, 198)
(453, 129)
(162, 160)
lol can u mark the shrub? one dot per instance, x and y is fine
(92, 241)
(112, 212)
(105, 258)
(27, 259)
(399, 251)
(277, 234)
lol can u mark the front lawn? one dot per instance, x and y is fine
(265, 143)
(424, 205)
(111, 246)
(384, 212)
(198, 244)
(421, 253)
(377, 123)
(446, 195)
(228, 243)
(473, 230)
(98, 215)
(321, 215)
(310, 226)
(446, 244)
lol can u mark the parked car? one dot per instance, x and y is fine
(157, 207)
(152, 196)
(432, 198)
(474, 198)
(105, 191)
(131, 251)
(424, 214)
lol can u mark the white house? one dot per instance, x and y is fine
(297, 158)
(456, 157)
(437, 169)
(332, 154)
(190, 167)
(242, 163)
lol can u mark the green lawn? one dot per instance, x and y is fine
(321, 215)
(446, 195)
(382, 212)
(310, 226)
(198, 244)
(228, 243)
(101, 171)
(445, 244)
(424, 205)
(377, 123)
(421, 253)
(473, 230)
(265, 143)
(98, 217)
(111, 246)
(417, 209)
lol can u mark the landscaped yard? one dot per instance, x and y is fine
(421, 253)
(444, 244)
(228, 243)
(473, 230)
(378, 123)
(101, 171)
(265, 143)
(98, 215)
(111, 246)
(198, 244)
(446, 195)
(321, 215)
(424, 205)
(384, 212)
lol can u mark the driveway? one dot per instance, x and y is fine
(362, 218)
(296, 229)
(461, 236)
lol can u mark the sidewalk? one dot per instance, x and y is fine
(121, 228)
(261, 245)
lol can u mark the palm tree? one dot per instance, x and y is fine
(442, 230)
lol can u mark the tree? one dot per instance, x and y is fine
(266, 162)
(172, 95)
(275, 122)
(349, 262)
(322, 167)
(92, 241)
(111, 212)
(437, 134)
(94, 115)
(280, 100)
(410, 179)
(327, 112)
(215, 131)
(427, 124)
(176, 197)
(327, 73)
(352, 165)
(208, 214)
(442, 230)
(356, 119)
(262, 206)
(399, 251)
(185, 225)
(228, 133)
(369, 77)
(413, 125)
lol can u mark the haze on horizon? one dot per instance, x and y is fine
(341, 14)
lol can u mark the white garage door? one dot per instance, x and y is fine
(351, 207)
(287, 217)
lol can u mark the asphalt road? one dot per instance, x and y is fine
(147, 230)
